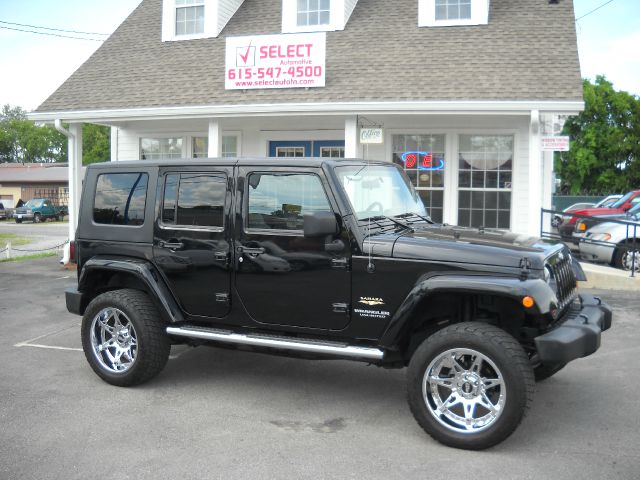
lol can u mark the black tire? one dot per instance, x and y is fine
(542, 372)
(37, 218)
(497, 347)
(152, 344)
(621, 254)
(18, 220)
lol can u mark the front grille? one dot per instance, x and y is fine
(564, 278)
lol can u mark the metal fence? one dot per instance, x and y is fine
(630, 243)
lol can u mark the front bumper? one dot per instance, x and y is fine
(23, 216)
(596, 252)
(578, 335)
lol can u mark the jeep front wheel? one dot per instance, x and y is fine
(123, 338)
(470, 385)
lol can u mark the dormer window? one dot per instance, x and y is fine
(189, 17)
(314, 12)
(453, 9)
(444, 13)
(316, 15)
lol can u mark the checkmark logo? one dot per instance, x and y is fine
(246, 55)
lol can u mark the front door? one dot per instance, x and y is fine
(283, 277)
(192, 245)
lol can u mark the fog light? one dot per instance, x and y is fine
(528, 302)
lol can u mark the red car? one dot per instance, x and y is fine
(627, 202)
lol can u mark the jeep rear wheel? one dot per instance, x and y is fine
(123, 338)
(470, 385)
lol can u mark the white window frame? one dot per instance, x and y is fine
(197, 3)
(427, 15)
(340, 11)
(215, 19)
(237, 135)
(162, 137)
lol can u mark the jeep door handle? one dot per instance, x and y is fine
(250, 251)
(172, 245)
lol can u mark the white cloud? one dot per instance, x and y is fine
(617, 58)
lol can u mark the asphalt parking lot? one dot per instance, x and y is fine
(216, 413)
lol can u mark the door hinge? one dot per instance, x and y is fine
(341, 308)
(222, 297)
(342, 263)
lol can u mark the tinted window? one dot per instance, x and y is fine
(194, 199)
(280, 201)
(120, 198)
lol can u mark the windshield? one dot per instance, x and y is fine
(33, 203)
(376, 190)
(621, 202)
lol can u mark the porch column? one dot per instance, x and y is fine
(75, 176)
(215, 139)
(535, 175)
(351, 137)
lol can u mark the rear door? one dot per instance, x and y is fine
(282, 277)
(191, 244)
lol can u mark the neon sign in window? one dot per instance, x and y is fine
(422, 161)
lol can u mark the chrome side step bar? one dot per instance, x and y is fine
(281, 343)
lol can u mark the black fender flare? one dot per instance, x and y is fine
(510, 287)
(145, 272)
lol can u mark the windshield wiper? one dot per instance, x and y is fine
(376, 218)
(412, 214)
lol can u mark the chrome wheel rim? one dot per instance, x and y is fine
(113, 340)
(464, 390)
(628, 259)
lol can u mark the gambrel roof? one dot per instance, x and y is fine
(527, 52)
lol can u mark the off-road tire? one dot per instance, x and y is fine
(501, 349)
(153, 345)
(542, 372)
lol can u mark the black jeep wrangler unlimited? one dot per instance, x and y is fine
(325, 259)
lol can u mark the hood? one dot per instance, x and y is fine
(595, 212)
(471, 245)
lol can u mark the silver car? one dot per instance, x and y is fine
(613, 243)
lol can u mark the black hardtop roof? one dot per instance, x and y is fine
(314, 162)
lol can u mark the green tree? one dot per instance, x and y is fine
(96, 143)
(605, 142)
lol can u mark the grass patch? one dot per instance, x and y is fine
(15, 240)
(27, 257)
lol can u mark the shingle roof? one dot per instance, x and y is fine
(528, 51)
(34, 173)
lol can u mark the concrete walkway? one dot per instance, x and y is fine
(608, 278)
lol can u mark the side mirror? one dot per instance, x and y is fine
(320, 224)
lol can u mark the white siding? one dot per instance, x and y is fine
(226, 10)
(349, 5)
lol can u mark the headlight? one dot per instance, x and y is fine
(28, 210)
(601, 237)
(548, 273)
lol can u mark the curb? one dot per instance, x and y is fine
(608, 278)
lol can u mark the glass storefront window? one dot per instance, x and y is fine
(160, 148)
(200, 146)
(485, 171)
(422, 157)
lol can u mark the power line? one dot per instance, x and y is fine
(53, 29)
(597, 8)
(52, 34)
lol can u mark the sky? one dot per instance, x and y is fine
(33, 66)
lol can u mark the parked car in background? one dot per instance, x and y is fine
(626, 203)
(584, 224)
(622, 247)
(3, 212)
(606, 202)
(557, 219)
(39, 210)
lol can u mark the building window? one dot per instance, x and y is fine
(453, 9)
(484, 180)
(332, 152)
(200, 146)
(160, 148)
(422, 157)
(441, 13)
(189, 17)
(290, 152)
(313, 12)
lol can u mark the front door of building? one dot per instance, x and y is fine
(282, 277)
(307, 148)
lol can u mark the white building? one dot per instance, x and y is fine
(463, 90)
